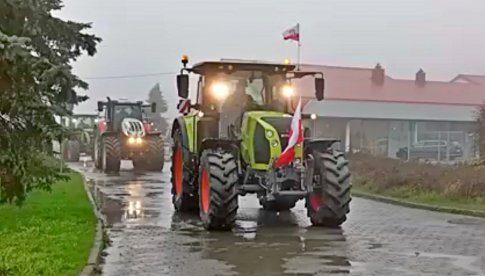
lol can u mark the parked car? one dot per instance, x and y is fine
(431, 149)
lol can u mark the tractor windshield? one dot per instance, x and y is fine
(245, 89)
(126, 111)
(131, 111)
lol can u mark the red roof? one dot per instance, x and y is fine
(351, 83)
(475, 79)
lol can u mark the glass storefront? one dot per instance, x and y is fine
(417, 140)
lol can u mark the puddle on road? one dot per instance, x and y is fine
(284, 247)
(122, 200)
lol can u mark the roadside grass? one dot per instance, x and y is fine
(414, 195)
(51, 234)
(459, 186)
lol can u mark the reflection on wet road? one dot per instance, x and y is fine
(148, 238)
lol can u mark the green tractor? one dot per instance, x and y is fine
(124, 133)
(80, 140)
(226, 144)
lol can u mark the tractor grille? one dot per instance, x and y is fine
(261, 146)
(281, 125)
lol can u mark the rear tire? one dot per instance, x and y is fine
(184, 195)
(111, 154)
(328, 204)
(218, 179)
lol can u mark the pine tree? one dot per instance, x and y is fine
(36, 83)
(156, 96)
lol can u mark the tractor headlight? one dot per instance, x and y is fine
(220, 90)
(131, 140)
(287, 91)
(274, 144)
(138, 140)
(269, 134)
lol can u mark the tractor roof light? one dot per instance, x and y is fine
(185, 60)
(287, 91)
(220, 90)
(313, 116)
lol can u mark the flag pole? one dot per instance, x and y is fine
(299, 48)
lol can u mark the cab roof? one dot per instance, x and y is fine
(228, 66)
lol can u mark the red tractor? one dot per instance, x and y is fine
(123, 133)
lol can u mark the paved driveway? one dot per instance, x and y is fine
(148, 238)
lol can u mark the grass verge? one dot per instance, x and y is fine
(51, 234)
(421, 196)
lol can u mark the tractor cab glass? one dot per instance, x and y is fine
(126, 111)
(247, 90)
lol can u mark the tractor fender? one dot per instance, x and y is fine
(215, 143)
(317, 144)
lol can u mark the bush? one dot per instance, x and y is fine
(380, 173)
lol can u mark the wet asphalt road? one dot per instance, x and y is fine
(148, 238)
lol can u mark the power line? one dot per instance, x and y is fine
(133, 76)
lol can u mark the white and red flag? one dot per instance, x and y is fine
(296, 136)
(292, 34)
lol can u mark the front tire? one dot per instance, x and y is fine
(218, 179)
(98, 154)
(329, 203)
(184, 196)
(111, 154)
(157, 154)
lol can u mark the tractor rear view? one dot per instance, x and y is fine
(227, 144)
(80, 140)
(123, 133)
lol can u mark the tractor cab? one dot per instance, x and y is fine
(115, 112)
(233, 98)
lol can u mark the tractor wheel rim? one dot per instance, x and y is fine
(315, 201)
(204, 191)
(178, 167)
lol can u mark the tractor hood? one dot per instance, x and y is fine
(264, 137)
(272, 121)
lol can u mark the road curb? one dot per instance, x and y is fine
(94, 258)
(405, 203)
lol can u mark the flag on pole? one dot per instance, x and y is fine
(296, 136)
(292, 33)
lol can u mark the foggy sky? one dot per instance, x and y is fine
(444, 37)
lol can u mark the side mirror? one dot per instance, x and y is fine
(100, 106)
(154, 107)
(306, 132)
(183, 86)
(319, 88)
